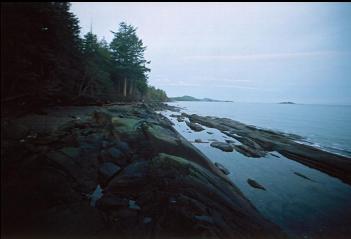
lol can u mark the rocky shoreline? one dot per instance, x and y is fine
(154, 183)
(254, 142)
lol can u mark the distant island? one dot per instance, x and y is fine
(190, 98)
(287, 103)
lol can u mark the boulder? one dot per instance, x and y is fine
(249, 152)
(123, 146)
(194, 126)
(222, 146)
(186, 199)
(107, 170)
(113, 155)
(101, 118)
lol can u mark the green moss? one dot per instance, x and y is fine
(125, 124)
(161, 134)
(180, 166)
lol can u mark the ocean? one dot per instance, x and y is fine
(302, 208)
(324, 126)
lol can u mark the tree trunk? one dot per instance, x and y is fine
(125, 87)
(130, 88)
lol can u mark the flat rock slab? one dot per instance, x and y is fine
(222, 146)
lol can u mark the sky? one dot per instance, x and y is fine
(245, 52)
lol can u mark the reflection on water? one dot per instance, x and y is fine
(326, 126)
(303, 208)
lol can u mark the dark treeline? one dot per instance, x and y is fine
(45, 61)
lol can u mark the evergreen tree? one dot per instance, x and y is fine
(40, 50)
(96, 80)
(43, 59)
(127, 52)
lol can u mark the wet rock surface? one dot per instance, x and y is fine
(255, 184)
(155, 184)
(222, 168)
(194, 126)
(257, 143)
(222, 146)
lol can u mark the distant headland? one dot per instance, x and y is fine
(190, 98)
(287, 103)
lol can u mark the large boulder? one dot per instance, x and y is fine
(184, 200)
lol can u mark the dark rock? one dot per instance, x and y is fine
(161, 196)
(64, 162)
(123, 146)
(257, 142)
(40, 112)
(106, 144)
(133, 205)
(107, 170)
(222, 168)
(209, 132)
(126, 213)
(67, 126)
(71, 152)
(302, 176)
(186, 199)
(194, 126)
(213, 140)
(74, 220)
(206, 219)
(229, 141)
(249, 152)
(255, 184)
(147, 220)
(71, 140)
(101, 118)
(110, 202)
(12, 130)
(113, 155)
(198, 141)
(222, 146)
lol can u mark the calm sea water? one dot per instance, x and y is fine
(317, 208)
(326, 126)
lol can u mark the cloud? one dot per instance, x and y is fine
(269, 56)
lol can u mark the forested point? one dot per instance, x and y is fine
(44, 61)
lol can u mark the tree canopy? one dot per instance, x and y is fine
(127, 53)
(44, 59)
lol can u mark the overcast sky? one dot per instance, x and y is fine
(250, 52)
